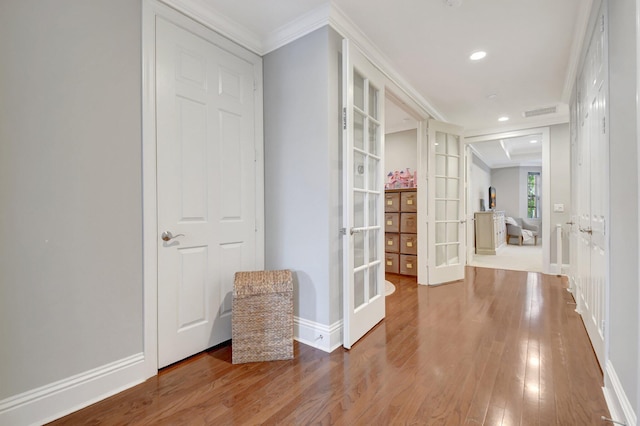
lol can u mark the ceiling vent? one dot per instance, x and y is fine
(540, 111)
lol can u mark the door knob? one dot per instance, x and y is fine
(168, 236)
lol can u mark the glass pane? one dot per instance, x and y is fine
(441, 256)
(359, 160)
(373, 210)
(452, 232)
(452, 254)
(441, 143)
(441, 236)
(373, 245)
(374, 287)
(374, 138)
(358, 249)
(452, 210)
(358, 90)
(358, 209)
(440, 210)
(373, 102)
(452, 189)
(441, 165)
(358, 130)
(441, 190)
(452, 166)
(452, 145)
(358, 288)
(373, 173)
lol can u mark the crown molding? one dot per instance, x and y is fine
(551, 121)
(298, 28)
(340, 22)
(202, 13)
(579, 34)
(327, 14)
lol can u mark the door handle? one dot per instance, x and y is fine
(168, 236)
(463, 221)
(586, 230)
(355, 230)
(570, 223)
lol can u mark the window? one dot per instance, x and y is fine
(533, 195)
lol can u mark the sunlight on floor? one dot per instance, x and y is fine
(512, 257)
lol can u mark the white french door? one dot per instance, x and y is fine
(446, 222)
(206, 187)
(363, 193)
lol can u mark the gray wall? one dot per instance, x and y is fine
(401, 151)
(302, 151)
(623, 293)
(70, 188)
(479, 183)
(560, 178)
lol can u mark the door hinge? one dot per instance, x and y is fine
(602, 23)
(344, 118)
(604, 125)
(343, 231)
(255, 85)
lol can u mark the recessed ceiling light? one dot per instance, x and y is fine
(476, 56)
(492, 97)
(504, 118)
(533, 141)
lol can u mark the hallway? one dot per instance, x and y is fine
(501, 348)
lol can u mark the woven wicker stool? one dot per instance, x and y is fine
(262, 321)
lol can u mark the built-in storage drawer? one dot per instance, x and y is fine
(391, 243)
(392, 222)
(392, 263)
(409, 201)
(408, 264)
(409, 243)
(409, 222)
(392, 202)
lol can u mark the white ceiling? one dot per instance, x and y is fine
(519, 151)
(531, 49)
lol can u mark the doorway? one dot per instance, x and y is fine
(505, 162)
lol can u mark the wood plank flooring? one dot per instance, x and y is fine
(500, 348)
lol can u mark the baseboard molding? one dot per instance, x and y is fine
(619, 405)
(320, 336)
(60, 398)
(564, 270)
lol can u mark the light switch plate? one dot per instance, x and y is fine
(558, 208)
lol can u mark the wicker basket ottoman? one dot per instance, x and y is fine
(262, 321)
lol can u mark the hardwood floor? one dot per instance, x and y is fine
(500, 348)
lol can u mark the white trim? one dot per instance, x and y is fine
(57, 399)
(319, 336)
(203, 13)
(579, 34)
(619, 405)
(563, 271)
(298, 28)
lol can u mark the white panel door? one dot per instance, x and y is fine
(206, 177)
(593, 179)
(446, 222)
(363, 191)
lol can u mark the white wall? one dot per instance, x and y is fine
(624, 333)
(401, 151)
(70, 189)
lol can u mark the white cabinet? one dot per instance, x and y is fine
(490, 231)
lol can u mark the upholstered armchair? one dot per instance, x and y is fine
(521, 229)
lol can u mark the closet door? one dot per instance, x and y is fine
(363, 190)
(206, 187)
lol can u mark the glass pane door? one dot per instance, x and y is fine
(447, 242)
(363, 188)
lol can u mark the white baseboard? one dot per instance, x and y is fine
(619, 405)
(60, 398)
(553, 268)
(320, 336)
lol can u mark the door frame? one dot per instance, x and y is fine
(546, 185)
(150, 10)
